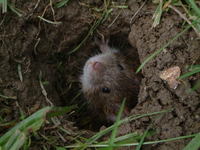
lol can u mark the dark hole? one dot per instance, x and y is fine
(68, 86)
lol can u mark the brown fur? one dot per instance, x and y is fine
(122, 83)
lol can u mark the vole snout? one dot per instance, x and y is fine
(96, 66)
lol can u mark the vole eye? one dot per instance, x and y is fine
(105, 90)
(120, 67)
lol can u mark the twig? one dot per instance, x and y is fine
(114, 20)
(44, 92)
(35, 46)
(8, 97)
(19, 70)
(184, 18)
(138, 11)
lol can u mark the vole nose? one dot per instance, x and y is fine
(97, 66)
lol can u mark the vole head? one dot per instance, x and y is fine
(107, 79)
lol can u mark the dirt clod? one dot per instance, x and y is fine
(170, 75)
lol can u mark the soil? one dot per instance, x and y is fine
(38, 46)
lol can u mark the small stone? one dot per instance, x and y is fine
(170, 75)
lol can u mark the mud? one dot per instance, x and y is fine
(42, 47)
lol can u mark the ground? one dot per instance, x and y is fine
(37, 46)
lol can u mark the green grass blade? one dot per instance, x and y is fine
(61, 3)
(115, 126)
(193, 67)
(189, 73)
(128, 119)
(19, 142)
(194, 6)
(157, 15)
(8, 97)
(27, 144)
(15, 10)
(60, 148)
(194, 143)
(4, 4)
(104, 16)
(49, 21)
(24, 125)
(12, 140)
(31, 124)
(57, 111)
(135, 144)
(94, 138)
(161, 49)
(19, 70)
(142, 139)
(128, 138)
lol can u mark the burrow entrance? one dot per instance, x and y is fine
(68, 75)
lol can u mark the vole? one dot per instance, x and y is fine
(107, 79)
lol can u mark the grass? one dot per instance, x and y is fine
(19, 70)
(127, 138)
(194, 7)
(193, 13)
(161, 49)
(139, 146)
(192, 70)
(8, 97)
(15, 10)
(106, 11)
(103, 17)
(158, 14)
(17, 136)
(4, 5)
(61, 3)
(20, 13)
(115, 127)
(194, 143)
(99, 145)
(130, 139)
(49, 21)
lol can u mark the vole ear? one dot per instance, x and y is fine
(103, 44)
